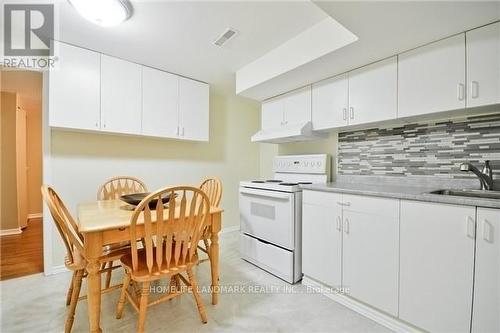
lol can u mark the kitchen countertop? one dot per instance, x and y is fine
(419, 193)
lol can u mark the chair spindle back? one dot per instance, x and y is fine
(213, 188)
(66, 225)
(118, 186)
(177, 227)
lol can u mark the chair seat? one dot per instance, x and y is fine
(142, 272)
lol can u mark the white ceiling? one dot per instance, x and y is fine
(177, 36)
(384, 29)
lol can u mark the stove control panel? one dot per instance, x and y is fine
(313, 164)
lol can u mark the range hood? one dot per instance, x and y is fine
(287, 133)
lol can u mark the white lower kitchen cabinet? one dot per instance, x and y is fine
(436, 265)
(370, 262)
(121, 96)
(486, 308)
(322, 237)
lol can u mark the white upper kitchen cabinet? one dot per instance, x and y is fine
(483, 65)
(193, 110)
(160, 103)
(272, 113)
(373, 92)
(74, 92)
(486, 316)
(322, 237)
(330, 103)
(370, 264)
(121, 95)
(297, 106)
(432, 78)
(436, 265)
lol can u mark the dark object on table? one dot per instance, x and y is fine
(135, 198)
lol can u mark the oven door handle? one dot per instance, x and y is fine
(265, 194)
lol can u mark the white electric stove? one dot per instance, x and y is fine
(271, 210)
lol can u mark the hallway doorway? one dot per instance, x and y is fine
(21, 231)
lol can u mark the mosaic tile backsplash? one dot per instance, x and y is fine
(423, 149)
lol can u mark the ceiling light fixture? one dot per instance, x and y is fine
(105, 13)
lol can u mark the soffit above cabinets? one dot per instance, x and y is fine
(383, 29)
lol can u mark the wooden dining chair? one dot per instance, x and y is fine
(113, 189)
(213, 188)
(176, 230)
(75, 257)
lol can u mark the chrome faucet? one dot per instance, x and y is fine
(485, 176)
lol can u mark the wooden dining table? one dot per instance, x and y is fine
(108, 222)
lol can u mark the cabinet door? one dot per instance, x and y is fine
(329, 103)
(486, 316)
(297, 106)
(432, 78)
(373, 92)
(322, 237)
(436, 266)
(272, 113)
(370, 263)
(121, 92)
(74, 95)
(483, 65)
(160, 103)
(194, 109)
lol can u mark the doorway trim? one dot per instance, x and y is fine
(48, 267)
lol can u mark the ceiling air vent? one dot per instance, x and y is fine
(226, 35)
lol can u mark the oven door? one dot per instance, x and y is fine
(268, 215)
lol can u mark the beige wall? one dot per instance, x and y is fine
(323, 146)
(80, 162)
(8, 214)
(28, 86)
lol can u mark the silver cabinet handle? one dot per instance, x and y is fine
(346, 226)
(340, 203)
(474, 89)
(460, 91)
(471, 227)
(177, 131)
(351, 112)
(339, 223)
(182, 131)
(97, 124)
(487, 231)
(344, 113)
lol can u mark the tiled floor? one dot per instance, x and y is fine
(36, 304)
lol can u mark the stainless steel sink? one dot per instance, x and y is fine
(470, 193)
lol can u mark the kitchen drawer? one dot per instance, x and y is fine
(319, 198)
(371, 205)
(267, 256)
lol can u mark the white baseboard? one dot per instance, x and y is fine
(382, 318)
(230, 229)
(8, 232)
(57, 269)
(34, 216)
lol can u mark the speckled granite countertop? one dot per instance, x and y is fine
(419, 193)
